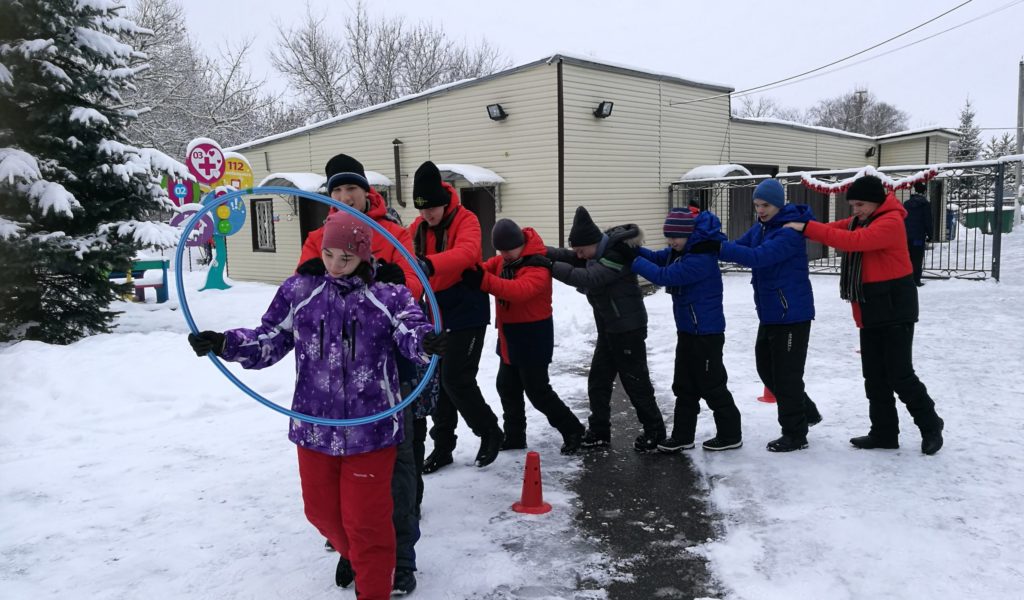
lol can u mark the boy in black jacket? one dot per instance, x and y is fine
(598, 266)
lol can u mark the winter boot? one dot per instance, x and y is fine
(593, 439)
(716, 443)
(931, 441)
(813, 419)
(787, 444)
(648, 441)
(490, 445)
(672, 444)
(571, 442)
(867, 442)
(514, 441)
(344, 575)
(405, 582)
(437, 459)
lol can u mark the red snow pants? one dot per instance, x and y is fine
(348, 498)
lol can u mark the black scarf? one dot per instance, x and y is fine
(672, 290)
(508, 271)
(851, 284)
(440, 234)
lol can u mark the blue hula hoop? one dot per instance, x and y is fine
(210, 203)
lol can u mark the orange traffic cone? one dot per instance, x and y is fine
(768, 397)
(532, 500)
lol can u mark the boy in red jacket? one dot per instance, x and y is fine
(877, 279)
(520, 281)
(446, 237)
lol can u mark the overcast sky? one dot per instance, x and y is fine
(740, 44)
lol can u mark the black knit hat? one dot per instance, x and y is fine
(344, 169)
(427, 191)
(920, 187)
(584, 232)
(506, 235)
(867, 189)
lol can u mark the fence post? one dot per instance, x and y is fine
(997, 221)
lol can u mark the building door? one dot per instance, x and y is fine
(480, 200)
(797, 193)
(312, 215)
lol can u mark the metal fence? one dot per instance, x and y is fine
(970, 212)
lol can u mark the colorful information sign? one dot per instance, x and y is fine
(205, 160)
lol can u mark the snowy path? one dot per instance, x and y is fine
(131, 469)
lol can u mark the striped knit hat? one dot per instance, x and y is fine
(679, 223)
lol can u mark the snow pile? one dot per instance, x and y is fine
(714, 172)
(472, 173)
(309, 182)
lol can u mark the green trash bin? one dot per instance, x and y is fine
(1007, 219)
(978, 218)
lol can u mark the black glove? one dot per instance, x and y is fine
(313, 266)
(435, 343)
(206, 342)
(626, 251)
(389, 273)
(706, 247)
(621, 253)
(426, 265)
(473, 278)
(537, 260)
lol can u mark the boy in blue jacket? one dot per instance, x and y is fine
(777, 257)
(695, 283)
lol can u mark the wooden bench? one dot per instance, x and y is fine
(139, 267)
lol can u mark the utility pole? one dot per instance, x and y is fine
(860, 110)
(1020, 143)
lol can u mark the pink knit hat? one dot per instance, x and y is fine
(346, 232)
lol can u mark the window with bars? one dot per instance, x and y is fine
(263, 225)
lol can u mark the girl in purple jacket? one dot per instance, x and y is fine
(345, 329)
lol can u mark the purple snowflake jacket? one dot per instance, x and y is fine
(344, 334)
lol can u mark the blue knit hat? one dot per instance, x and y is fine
(679, 223)
(770, 190)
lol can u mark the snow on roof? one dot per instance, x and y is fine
(346, 116)
(774, 121)
(946, 130)
(606, 63)
(472, 173)
(434, 90)
(311, 182)
(307, 182)
(714, 172)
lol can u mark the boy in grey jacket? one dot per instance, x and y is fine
(598, 266)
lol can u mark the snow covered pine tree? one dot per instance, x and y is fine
(76, 200)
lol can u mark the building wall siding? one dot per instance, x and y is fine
(451, 127)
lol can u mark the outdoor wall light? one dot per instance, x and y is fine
(604, 109)
(870, 152)
(496, 112)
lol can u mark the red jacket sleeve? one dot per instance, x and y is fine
(311, 248)
(529, 283)
(463, 254)
(880, 234)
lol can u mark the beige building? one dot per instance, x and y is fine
(531, 143)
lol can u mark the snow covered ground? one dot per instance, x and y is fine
(131, 469)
